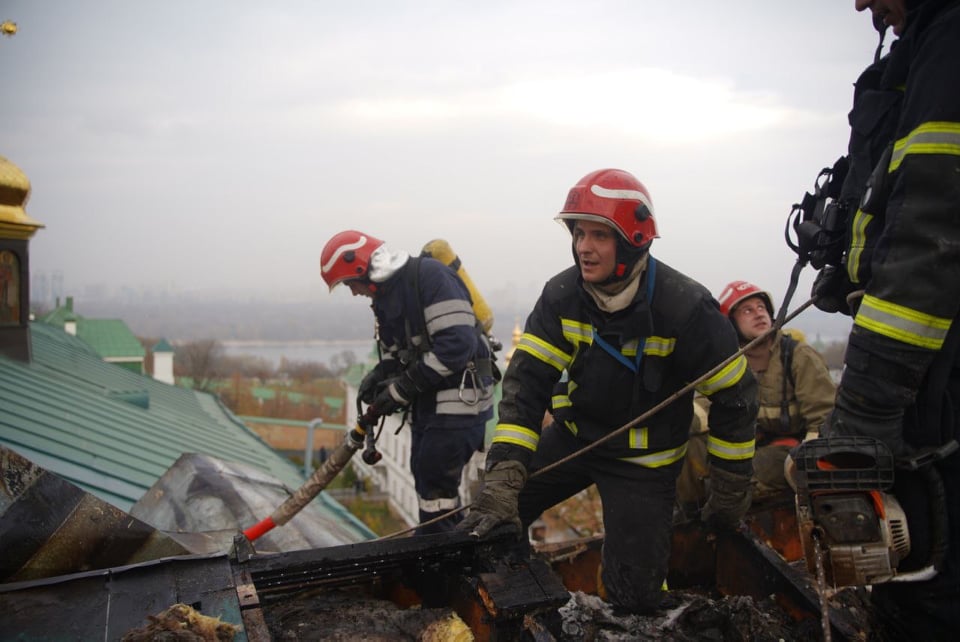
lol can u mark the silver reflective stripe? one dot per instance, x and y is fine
(659, 346)
(640, 438)
(858, 240)
(729, 449)
(449, 402)
(929, 138)
(658, 459)
(448, 314)
(728, 376)
(902, 323)
(560, 401)
(576, 332)
(439, 504)
(516, 435)
(431, 361)
(537, 347)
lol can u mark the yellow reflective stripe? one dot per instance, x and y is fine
(659, 346)
(936, 137)
(728, 376)
(572, 427)
(902, 323)
(543, 351)
(735, 450)
(656, 346)
(658, 459)
(639, 438)
(560, 401)
(576, 332)
(516, 435)
(857, 242)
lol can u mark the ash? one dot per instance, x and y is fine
(683, 616)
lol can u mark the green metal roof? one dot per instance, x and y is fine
(163, 346)
(111, 338)
(112, 432)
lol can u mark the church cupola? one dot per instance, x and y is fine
(16, 230)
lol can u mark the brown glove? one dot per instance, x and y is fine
(728, 498)
(497, 503)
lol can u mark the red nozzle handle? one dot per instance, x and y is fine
(258, 529)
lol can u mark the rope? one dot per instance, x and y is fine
(640, 419)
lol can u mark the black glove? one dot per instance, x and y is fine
(728, 498)
(853, 418)
(368, 387)
(497, 503)
(831, 288)
(395, 394)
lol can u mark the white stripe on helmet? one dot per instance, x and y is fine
(627, 194)
(343, 249)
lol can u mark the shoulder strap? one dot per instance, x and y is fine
(787, 344)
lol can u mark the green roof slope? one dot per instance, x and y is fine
(113, 432)
(111, 338)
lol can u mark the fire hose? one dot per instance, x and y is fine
(320, 478)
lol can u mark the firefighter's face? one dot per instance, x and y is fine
(596, 247)
(752, 318)
(360, 288)
(893, 12)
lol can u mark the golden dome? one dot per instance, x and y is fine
(14, 194)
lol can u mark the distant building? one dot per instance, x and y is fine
(110, 338)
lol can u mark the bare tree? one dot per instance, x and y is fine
(201, 361)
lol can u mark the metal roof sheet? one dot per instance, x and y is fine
(82, 418)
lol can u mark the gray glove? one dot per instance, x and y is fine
(497, 503)
(728, 498)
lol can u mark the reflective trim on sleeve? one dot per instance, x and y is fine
(728, 376)
(537, 347)
(448, 314)
(572, 427)
(639, 438)
(935, 137)
(560, 401)
(576, 332)
(658, 459)
(733, 450)
(438, 504)
(431, 361)
(516, 435)
(901, 323)
(857, 242)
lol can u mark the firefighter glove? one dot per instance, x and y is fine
(497, 503)
(370, 385)
(394, 394)
(830, 290)
(728, 498)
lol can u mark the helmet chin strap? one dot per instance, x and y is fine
(881, 28)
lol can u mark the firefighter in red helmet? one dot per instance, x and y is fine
(609, 338)
(436, 361)
(795, 393)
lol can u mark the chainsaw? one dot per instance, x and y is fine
(850, 524)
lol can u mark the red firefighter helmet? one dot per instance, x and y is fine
(614, 197)
(347, 256)
(737, 291)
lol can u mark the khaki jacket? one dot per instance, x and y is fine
(810, 400)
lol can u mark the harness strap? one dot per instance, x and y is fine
(634, 365)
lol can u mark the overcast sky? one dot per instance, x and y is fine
(215, 146)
